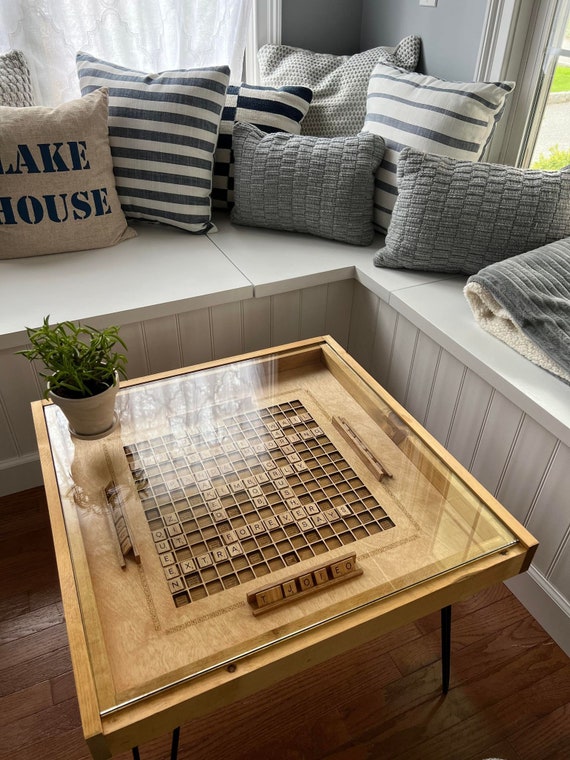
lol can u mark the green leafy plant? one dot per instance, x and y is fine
(556, 158)
(80, 360)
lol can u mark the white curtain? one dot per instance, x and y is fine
(147, 35)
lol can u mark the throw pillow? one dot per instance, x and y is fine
(459, 216)
(454, 119)
(270, 109)
(163, 130)
(318, 185)
(15, 80)
(57, 190)
(339, 82)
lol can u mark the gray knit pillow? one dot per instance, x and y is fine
(318, 185)
(459, 216)
(15, 81)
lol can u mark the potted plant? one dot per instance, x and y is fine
(82, 369)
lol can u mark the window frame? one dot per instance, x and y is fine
(515, 46)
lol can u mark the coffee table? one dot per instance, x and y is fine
(248, 518)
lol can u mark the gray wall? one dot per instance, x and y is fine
(325, 26)
(451, 32)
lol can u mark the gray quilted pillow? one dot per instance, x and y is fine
(459, 216)
(317, 185)
(15, 81)
(339, 82)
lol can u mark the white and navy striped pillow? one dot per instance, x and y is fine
(163, 130)
(271, 109)
(454, 119)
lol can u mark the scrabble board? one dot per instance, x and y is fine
(263, 490)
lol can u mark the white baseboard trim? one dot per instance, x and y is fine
(545, 604)
(20, 474)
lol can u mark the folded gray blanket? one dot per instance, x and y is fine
(525, 302)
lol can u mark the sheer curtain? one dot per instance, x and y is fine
(148, 35)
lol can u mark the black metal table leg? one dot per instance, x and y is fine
(173, 746)
(175, 740)
(445, 648)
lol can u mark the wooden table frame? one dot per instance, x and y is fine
(109, 733)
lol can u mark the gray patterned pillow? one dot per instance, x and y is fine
(339, 82)
(459, 216)
(15, 81)
(317, 185)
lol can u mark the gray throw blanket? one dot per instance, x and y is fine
(525, 302)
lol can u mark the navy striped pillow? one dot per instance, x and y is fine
(271, 109)
(454, 119)
(163, 130)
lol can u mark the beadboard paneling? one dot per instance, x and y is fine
(496, 440)
(256, 323)
(532, 450)
(405, 338)
(285, 317)
(339, 306)
(549, 519)
(385, 329)
(227, 330)
(422, 373)
(363, 325)
(449, 375)
(162, 343)
(195, 337)
(471, 408)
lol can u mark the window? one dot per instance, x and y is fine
(524, 42)
(547, 143)
(148, 35)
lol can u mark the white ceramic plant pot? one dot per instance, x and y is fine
(90, 417)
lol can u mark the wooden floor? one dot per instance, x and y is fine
(509, 695)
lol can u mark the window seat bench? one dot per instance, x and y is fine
(182, 299)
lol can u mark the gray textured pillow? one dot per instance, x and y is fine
(459, 216)
(339, 82)
(15, 81)
(318, 185)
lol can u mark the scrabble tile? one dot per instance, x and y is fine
(176, 585)
(306, 581)
(204, 560)
(219, 554)
(320, 576)
(230, 536)
(187, 566)
(174, 530)
(268, 596)
(342, 568)
(179, 541)
(289, 588)
(162, 546)
(235, 550)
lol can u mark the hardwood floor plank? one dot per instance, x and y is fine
(34, 669)
(509, 697)
(25, 702)
(16, 628)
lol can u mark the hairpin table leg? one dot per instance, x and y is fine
(173, 746)
(445, 648)
(175, 740)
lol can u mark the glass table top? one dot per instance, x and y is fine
(243, 503)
